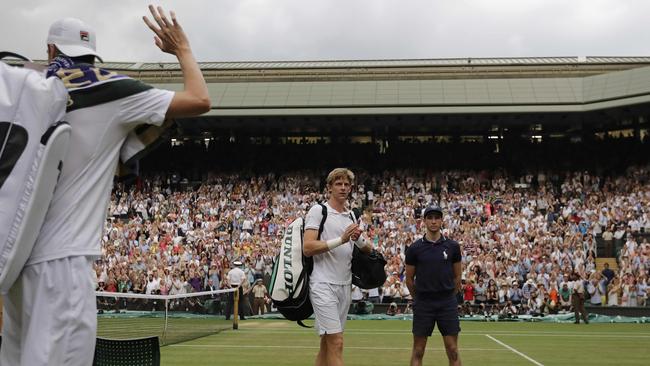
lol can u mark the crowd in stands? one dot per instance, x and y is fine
(525, 238)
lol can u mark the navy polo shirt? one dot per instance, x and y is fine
(433, 261)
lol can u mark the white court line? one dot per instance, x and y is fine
(317, 347)
(588, 335)
(473, 332)
(511, 332)
(514, 350)
(541, 334)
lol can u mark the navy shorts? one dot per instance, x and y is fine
(427, 313)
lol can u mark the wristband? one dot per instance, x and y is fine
(333, 243)
(361, 242)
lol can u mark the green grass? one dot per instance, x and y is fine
(388, 342)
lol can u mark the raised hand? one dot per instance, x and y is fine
(169, 35)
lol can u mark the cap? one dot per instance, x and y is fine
(73, 37)
(237, 263)
(431, 209)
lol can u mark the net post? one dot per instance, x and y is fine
(164, 335)
(235, 322)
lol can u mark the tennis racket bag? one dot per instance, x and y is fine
(290, 280)
(33, 143)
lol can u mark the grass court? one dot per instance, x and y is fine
(269, 342)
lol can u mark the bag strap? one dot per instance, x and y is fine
(322, 220)
(303, 324)
(7, 54)
(354, 215)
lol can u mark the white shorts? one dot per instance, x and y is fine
(50, 315)
(331, 304)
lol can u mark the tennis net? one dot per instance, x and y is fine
(172, 318)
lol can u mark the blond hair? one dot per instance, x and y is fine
(340, 173)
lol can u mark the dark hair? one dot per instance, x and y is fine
(85, 59)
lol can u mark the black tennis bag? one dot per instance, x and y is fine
(368, 269)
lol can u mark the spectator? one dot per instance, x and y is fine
(608, 238)
(594, 290)
(506, 247)
(392, 309)
(492, 293)
(481, 292)
(565, 297)
(260, 295)
(363, 308)
(468, 292)
(608, 273)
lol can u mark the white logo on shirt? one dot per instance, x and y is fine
(445, 254)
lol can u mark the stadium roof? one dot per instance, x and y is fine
(375, 70)
(430, 96)
(501, 61)
(413, 87)
(461, 96)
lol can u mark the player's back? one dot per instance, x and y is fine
(99, 128)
